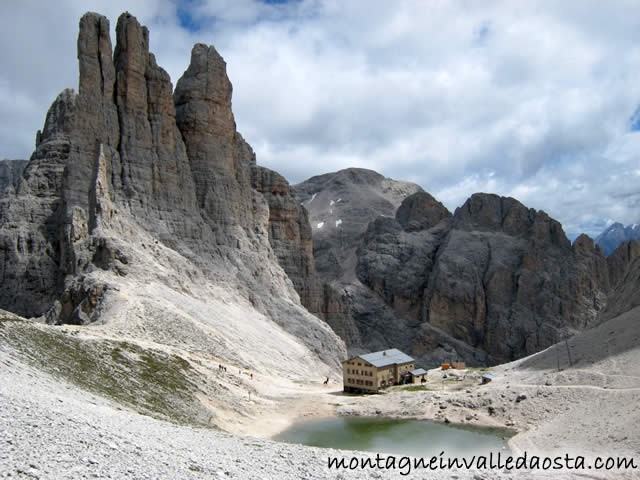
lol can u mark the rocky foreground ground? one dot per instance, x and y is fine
(52, 429)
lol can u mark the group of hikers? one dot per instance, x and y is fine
(224, 369)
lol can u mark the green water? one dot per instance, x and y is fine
(417, 438)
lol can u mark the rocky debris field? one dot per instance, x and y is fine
(50, 429)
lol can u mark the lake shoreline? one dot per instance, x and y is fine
(392, 436)
(531, 412)
(439, 403)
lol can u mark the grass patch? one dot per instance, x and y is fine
(150, 381)
(4, 320)
(479, 369)
(415, 388)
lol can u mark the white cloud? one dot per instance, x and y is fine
(529, 99)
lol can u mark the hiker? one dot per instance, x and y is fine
(252, 376)
(326, 382)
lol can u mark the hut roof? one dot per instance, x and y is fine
(384, 358)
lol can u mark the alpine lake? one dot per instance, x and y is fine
(417, 438)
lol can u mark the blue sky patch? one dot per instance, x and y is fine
(634, 121)
(187, 21)
(481, 34)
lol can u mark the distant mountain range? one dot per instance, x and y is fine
(615, 234)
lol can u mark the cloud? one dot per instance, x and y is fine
(536, 100)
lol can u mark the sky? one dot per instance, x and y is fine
(538, 100)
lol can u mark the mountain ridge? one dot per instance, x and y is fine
(615, 234)
(143, 216)
(485, 284)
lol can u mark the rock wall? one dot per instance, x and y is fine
(624, 277)
(618, 262)
(289, 234)
(493, 282)
(497, 276)
(10, 174)
(126, 167)
(340, 206)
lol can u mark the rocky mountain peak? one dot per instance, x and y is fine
(584, 244)
(616, 234)
(204, 93)
(97, 71)
(493, 282)
(484, 211)
(348, 176)
(623, 256)
(420, 211)
(128, 187)
(492, 212)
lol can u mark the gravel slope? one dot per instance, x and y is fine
(52, 430)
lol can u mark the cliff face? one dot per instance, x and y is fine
(289, 234)
(624, 275)
(340, 207)
(125, 169)
(497, 276)
(120, 126)
(493, 282)
(10, 174)
(231, 190)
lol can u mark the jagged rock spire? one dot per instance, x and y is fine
(115, 158)
(97, 72)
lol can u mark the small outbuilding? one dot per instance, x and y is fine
(419, 375)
